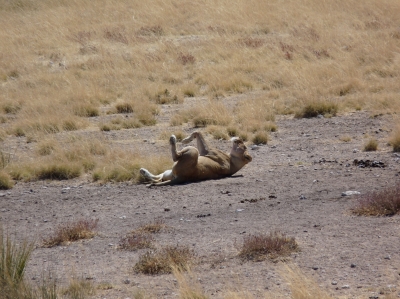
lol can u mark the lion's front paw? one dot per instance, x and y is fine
(172, 140)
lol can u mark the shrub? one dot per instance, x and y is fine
(5, 181)
(258, 247)
(163, 260)
(371, 145)
(379, 203)
(79, 289)
(86, 110)
(315, 108)
(73, 231)
(260, 138)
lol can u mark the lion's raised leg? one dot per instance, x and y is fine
(202, 145)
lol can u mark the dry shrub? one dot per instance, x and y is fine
(217, 132)
(259, 247)
(371, 145)
(165, 97)
(188, 285)
(155, 30)
(154, 227)
(163, 260)
(72, 231)
(86, 110)
(314, 108)
(379, 203)
(47, 147)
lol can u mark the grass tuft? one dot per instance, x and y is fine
(371, 145)
(79, 289)
(57, 171)
(162, 261)
(136, 240)
(260, 138)
(395, 139)
(316, 108)
(259, 247)
(5, 181)
(72, 231)
(379, 203)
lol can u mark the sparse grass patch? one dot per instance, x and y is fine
(261, 246)
(166, 97)
(371, 145)
(217, 132)
(154, 227)
(379, 203)
(162, 261)
(136, 240)
(260, 138)
(5, 181)
(313, 108)
(46, 147)
(72, 231)
(79, 289)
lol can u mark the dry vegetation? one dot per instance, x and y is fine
(73, 231)
(64, 65)
(385, 202)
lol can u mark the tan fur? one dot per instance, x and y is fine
(201, 163)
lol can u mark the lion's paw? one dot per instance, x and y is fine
(172, 140)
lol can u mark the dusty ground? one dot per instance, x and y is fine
(295, 181)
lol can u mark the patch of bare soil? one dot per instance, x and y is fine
(293, 185)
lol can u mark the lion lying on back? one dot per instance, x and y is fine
(201, 163)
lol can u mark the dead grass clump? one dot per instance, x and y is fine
(46, 148)
(188, 285)
(79, 288)
(124, 107)
(161, 261)
(395, 139)
(302, 287)
(73, 231)
(136, 240)
(154, 227)
(86, 110)
(165, 97)
(217, 132)
(252, 42)
(260, 138)
(117, 34)
(156, 30)
(261, 246)
(371, 145)
(379, 203)
(317, 107)
(5, 181)
(59, 171)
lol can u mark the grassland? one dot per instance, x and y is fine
(73, 66)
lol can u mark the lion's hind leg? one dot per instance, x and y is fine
(165, 176)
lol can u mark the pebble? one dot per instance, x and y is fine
(334, 283)
(315, 268)
(352, 265)
(346, 286)
(349, 193)
(302, 197)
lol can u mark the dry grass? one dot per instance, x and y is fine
(395, 139)
(371, 145)
(5, 181)
(73, 231)
(259, 247)
(385, 202)
(163, 260)
(65, 72)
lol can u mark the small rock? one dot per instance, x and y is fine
(302, 197)
(2, 194)
(346, 286)
(349, 193)
(374, 297)
(315, 268)
(122, 217)
(167, 209)
(239, 210)
(334, 283)
(387, 257)
(126, 281)
(254, 147)
(352, 265)
(355, 150)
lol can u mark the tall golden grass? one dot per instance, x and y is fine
(64, 62)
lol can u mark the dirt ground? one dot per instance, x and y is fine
(294, 185)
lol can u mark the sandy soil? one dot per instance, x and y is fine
(293, 185)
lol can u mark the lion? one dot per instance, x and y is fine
(201, 163)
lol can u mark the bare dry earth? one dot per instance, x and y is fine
(293, 185)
